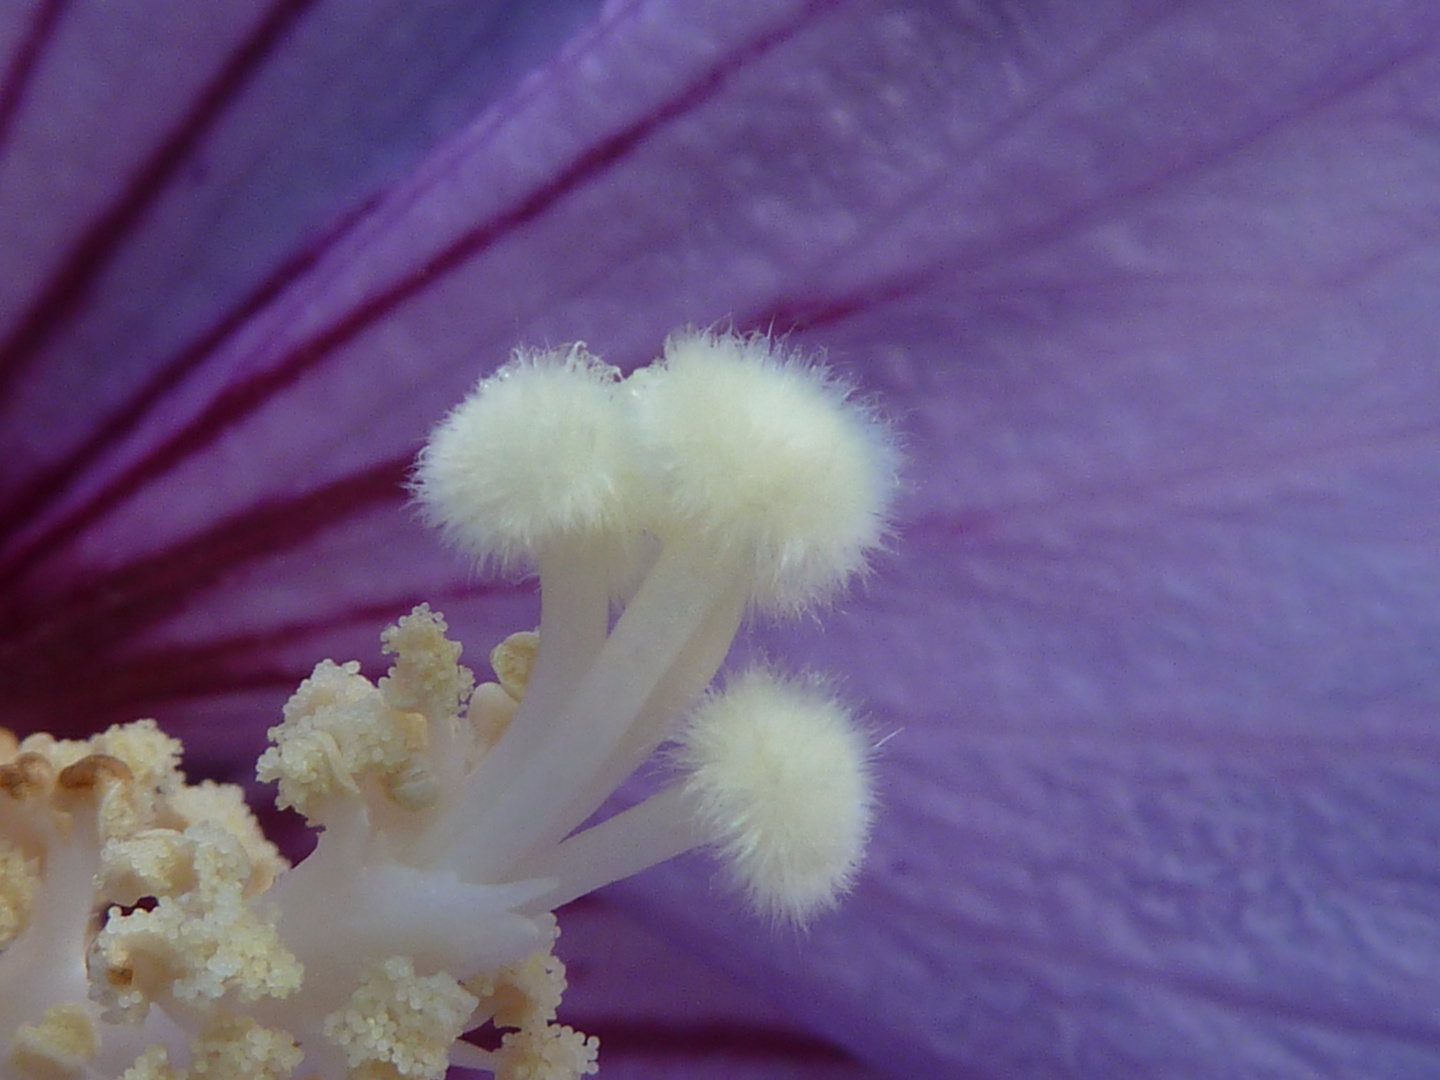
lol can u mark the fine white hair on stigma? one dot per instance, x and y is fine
(771, 456)
(658, 511)
(538, 454)
(779, 774)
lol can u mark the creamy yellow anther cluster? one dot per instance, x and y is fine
(149, 931)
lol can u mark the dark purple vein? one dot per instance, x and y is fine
(17, 78)
(45, 641)
(243, 398)
(1325, 90)
(70, 285)
(51, 483)
(142, 680)
(790, 313)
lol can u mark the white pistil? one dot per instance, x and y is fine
(624, 844)
(648, 655)
(761, 484)
(726, 478)
(775, 778)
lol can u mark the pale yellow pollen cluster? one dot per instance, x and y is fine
(87, 826)
(149, 931)
(227, 1048)
(60, 1045)
(522, 1000)
(400, 1024)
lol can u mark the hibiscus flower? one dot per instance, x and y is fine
(1150, 289)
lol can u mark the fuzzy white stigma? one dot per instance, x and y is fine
(748, 478)
(769, 457)
(778, 773)
(538, 455)
(142, 916)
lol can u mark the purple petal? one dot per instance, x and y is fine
(149, 208)
(1154, 285)
(660, 1013)
(154, 202)
(1160, 646)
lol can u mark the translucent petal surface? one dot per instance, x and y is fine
(1150, 286)
(660, 1013)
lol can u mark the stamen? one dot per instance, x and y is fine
(727, 478)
